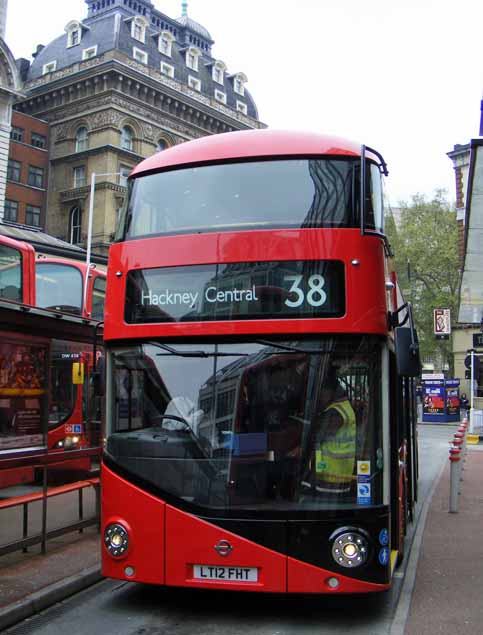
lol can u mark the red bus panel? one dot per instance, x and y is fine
(363, 258)
(144, 517)
(182, 553)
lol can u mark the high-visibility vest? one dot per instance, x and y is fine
(335, 457)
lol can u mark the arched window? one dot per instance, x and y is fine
(75, 225)
(81, 139)
(127, 138)
(161, 145)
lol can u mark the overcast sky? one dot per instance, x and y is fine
(403, 76)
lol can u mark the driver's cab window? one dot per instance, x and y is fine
(10, 273)
(59, 287)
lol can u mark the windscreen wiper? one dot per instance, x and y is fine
(291, 349)
(200, 354)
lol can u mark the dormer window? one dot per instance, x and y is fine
(193, 55)
(219, 69)
(139, 55)
(220, 96)
(74, 32)
(89, 53)
(167, 69)
(139, 26)
(74, 37)
(165, 43)
(241, 107)
(194, 83)
(49, 67)
(239, 81)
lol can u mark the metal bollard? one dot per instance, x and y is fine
(454, 457)
(458, 444)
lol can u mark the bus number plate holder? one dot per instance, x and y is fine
(225, 574)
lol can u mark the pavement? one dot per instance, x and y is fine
(441, 593)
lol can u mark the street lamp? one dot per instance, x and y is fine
(89, 226)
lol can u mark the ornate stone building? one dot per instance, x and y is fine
(10, 91)
(3, 17)
(121, 84)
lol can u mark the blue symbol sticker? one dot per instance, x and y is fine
(77, 428)
(384, 537)
(364, 496)
(384, 556)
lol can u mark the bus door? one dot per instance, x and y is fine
(69, 395)
(17, 271)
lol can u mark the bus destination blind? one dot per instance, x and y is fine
(236, 291)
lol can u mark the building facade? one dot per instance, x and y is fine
(10, 91)
(121, 84)
(3, 17)
(468, 164)
(27, 171)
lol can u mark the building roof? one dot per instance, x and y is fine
(47, 244)
(111, 29)
(190, 24)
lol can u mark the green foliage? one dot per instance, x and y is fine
(425, 244)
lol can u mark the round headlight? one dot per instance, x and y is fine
(350, 549)
(116, 540)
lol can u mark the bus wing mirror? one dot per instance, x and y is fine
(407, 352)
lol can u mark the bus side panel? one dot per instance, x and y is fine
(191, 541)
(16, 476)
(305, 578)
(143, 516)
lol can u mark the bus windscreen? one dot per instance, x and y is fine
(294, 193)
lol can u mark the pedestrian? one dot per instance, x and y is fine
(464, 403)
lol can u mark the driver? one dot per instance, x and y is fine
(333, 458)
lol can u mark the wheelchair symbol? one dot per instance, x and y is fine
(364, 489)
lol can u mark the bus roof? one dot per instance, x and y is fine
(248, 144)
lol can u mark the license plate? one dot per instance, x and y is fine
(225, 574)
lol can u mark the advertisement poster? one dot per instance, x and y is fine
(23, 384)
(433, 397)
(453, 398)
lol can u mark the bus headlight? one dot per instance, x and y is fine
(350, 549)
(116, 540)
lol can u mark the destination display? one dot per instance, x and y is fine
(236, 291)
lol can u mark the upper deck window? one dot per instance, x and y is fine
(298, 193)
(58, 286)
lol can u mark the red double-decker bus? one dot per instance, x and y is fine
(260, 403)
(59, 285)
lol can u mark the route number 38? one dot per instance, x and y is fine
(314, 294)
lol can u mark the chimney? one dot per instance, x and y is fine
(40, 48)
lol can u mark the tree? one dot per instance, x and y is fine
(425, 244)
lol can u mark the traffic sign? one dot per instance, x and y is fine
(442, 323)
(476, 363)
(477, 340)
